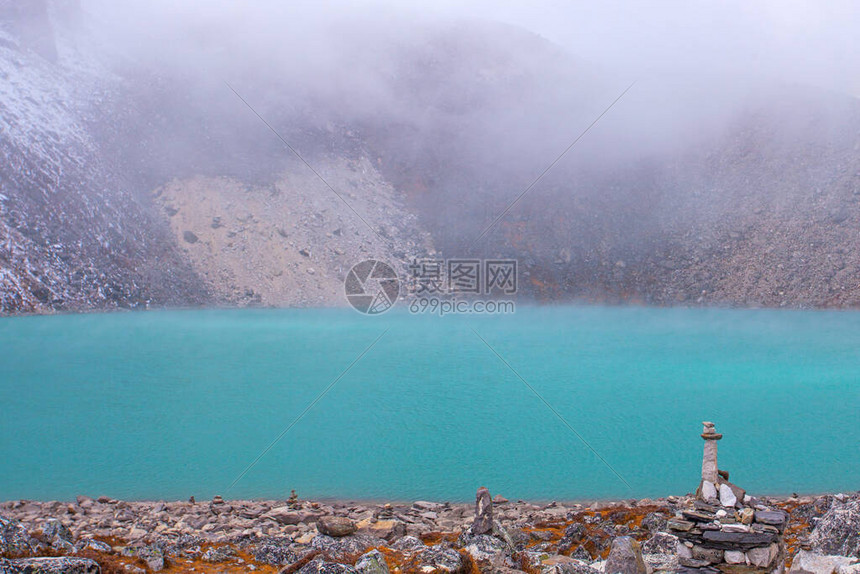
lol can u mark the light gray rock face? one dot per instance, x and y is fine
(625, 557)
(61, 565)
(727, 497)
(838, 531)
(483, 523)
(372, 563)
(812, 563)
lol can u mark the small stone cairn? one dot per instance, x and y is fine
(725, 530)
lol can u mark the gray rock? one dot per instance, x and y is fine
(320, 566)
(63, 565)
(15, 540)
(763, 557)
(90, 544)
(738, 540)
(335, 526)
(482, 547)
(276, 551)
(345, 547)
(372, 563)
(661, 543)
(408, 544)
(483, 523)
(284, 515)
(56, 530)
(838, 531)
(812, 563)
(727, 497)
(776, 518)
(218, 554)
(573, 536)
(735, 557)
(442, 560)
(710, 555)
(153, 555)
(654, 522)
(709, 491)
(625, 557)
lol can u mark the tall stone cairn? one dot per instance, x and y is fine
(483, 523)
(724, 530)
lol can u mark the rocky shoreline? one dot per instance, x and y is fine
(721, 529)
(495, 535)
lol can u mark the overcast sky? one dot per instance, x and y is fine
(792, 41)
(814, 43)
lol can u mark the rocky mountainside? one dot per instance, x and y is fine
(129, 180)
(73, 234)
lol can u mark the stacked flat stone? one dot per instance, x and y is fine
(724, 529)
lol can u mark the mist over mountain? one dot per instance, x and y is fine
(141, 164)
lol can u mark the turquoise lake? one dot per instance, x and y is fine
(168, 404)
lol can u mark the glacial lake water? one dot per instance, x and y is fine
(168, 404)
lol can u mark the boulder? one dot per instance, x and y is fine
(372, 563)
(441, 560)
(625, 557)
(811, 563)
(654, 522)
(284, 515)
(345, 547)
(483, 523)
(408, 544)
(573, 536)
(153, 555)
(482, 547)
(320, 566)
(389, 530)
(15, 540)
(660, 543)
(838, 530)
(335, 526)
(276, 551)
(60, 565)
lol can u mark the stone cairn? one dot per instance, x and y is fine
(724, 529)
